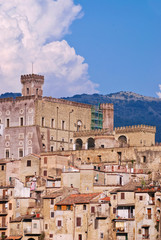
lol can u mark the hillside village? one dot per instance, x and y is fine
(66, 173)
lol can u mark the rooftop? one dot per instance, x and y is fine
(78, 198)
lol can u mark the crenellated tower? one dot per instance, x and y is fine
(32, 84)
(108, 115)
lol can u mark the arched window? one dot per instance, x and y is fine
(91, 143)
(79, 144)
(79, 125)
(122, 139)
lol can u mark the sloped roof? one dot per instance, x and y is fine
(78, 198)
(129, 187)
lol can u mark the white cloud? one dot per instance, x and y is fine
(32, 31)
(159, 93)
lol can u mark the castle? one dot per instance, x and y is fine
(35, 124)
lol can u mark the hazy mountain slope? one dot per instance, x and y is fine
(10, 94)
(129, 108)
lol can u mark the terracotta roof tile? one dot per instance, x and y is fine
(78, 198)
(106, 199)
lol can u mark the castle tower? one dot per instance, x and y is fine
(108, 115)
(32, 84)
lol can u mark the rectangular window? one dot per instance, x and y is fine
(42, 121)
(45, 173)
(28, 163)
(2, 167)
(20, 152)
(63, 125)
(78, 221)
(35, 225)
(114, 197)
(140, 198)
(92, 209)
(18, 226)
(10, 206)
(52, 123)
(149, 213)
(46, 226)
(52, 214)
(50, 235)
(114, 210)
(58, 207)
(59, 223)
(84, 207)
(7, 153)
(122, 195)
(52, 201)
(7, 122)
(68, 207)
(21, 121)
(51, 148)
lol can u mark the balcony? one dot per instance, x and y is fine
(30, 231)
(3, 226)
(148, 216)
(4, 198)
(101, 214)
(3, 213)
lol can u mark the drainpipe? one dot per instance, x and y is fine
(25, 132)
(73, 221)
(57, 129)
(69, 130)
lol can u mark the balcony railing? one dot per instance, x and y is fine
(145, 237)
(3, 226)
(101, 214)
(3, 212)
(4, 198)
(148, 216)
(30, 231)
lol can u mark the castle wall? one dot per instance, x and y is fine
(140, 135)
(58, 120)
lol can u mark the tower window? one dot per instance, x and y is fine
(28, 163)
(21, 121)
(7, 122)
(27, 91)
(7, 153)
(52, 123)
(63, 125)
(43, 121)
(20, 152)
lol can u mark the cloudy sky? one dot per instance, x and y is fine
(82, 46)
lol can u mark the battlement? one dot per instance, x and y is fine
(32, 77)
(63, 101)
(136, 128)
(95, 132)
(108, 106)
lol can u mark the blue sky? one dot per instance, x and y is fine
(121, 43)
(82, 46)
